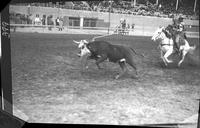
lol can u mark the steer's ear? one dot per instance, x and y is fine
(76, 42)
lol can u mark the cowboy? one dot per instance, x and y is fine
(179, 32)
(176, 31)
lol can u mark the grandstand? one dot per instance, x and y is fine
(106, 14)
(142, 7)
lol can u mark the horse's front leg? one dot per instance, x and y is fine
(183, 57)
(162, 57)
(167, 54)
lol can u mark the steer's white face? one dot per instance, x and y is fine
(83, 48)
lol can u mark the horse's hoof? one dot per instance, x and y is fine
(117, 77)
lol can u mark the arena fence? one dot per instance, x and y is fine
(137, 31)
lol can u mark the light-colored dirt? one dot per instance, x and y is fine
(49, 87)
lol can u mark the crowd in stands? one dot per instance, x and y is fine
(163, 9)
(147, 9)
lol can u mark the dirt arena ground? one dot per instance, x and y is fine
(48, 86)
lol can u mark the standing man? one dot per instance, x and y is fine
(60, 24)
(57, 21)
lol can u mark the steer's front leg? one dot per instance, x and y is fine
(101, 59)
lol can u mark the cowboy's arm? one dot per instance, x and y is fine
(168, 34)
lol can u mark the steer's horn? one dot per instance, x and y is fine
(76, 42)
(84, 41)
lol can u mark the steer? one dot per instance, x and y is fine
(102, 50)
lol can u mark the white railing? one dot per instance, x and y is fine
(54, 26)
(138, 30)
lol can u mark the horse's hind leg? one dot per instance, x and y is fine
(183, 57)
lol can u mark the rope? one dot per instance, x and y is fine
(93, 39)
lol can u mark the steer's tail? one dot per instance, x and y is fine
(137, 53)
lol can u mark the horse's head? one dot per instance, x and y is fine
(157, 34)
(82, 45)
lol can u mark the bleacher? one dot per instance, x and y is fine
(125, 7)
(141, 15)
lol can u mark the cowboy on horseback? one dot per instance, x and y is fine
(176, 31)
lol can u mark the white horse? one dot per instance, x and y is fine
(166, 46)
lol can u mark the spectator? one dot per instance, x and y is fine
(44, 20)
(37, 20)
(60, 24)
(57, 21)
(29, 20)
(50, 22)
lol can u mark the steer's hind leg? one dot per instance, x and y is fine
(124, 70)
(132, 64)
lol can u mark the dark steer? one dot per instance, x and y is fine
(114, 53)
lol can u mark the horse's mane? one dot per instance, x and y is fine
(167, 34)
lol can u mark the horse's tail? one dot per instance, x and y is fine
(133, 50)
(192, 48)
